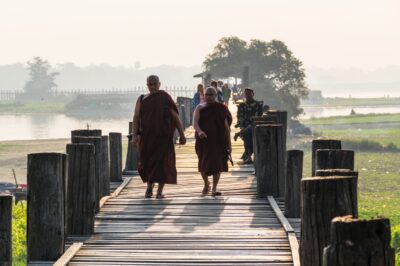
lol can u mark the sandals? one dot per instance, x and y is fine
(149, 192)
(160, 196)
(216, 193)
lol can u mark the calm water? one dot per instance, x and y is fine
(44, 126)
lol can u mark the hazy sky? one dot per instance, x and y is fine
(334, 33)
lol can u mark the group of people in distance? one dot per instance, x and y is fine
(156, 118)
(223, 93)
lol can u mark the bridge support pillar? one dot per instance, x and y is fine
(45, 222)
(6, 202)
(132, 157)
(269, 165)
(98, 158)
(115, 156)
(322, 199)
(359, 242)
(81, 192)
(294, 173)
(319, 144)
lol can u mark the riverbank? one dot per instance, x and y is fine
(356, 102)
(13, 154)
(22, 108)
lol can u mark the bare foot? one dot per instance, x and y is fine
(206, 188)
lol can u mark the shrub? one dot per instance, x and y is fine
(396, 242)
(369, 145)
(19, 234)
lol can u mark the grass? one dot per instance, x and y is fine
(381, 135)
(353, 119)
(4, 147)
(378, 188)
(379, 169)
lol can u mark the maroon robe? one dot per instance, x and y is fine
(156, 146)
(212, 151)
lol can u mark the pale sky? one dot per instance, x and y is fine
(322, 33)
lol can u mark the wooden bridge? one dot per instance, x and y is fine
(187, 228)
(73, 219)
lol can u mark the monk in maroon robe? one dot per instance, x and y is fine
(154, 123)
(212, 122)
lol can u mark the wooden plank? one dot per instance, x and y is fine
(68, 255)
(187, 228)
(279, 214)
(294, 244)
(116, 192)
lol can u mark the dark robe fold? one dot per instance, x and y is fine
(212, 151)
(156, 147)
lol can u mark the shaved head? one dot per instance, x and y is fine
(153, 83)
(211, 94)
(153, 79)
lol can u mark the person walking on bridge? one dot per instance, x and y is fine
(246, 111)
(211, 122)
(154, 123)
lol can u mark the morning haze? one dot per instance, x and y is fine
(231, 104)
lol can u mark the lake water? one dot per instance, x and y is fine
(44, 126)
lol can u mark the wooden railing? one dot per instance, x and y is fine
(174, 91)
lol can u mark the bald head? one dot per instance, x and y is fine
(153, 83)
(210, 94)
(153, 78)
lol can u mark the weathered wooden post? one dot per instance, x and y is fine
(81, 189)
(45, 226)
(6, 202)
(132, 157)
(105, 168)
(85, 133)
(260, 120)
(185, 113)
(270, 161)
(96, 141)
(115, 157)
(322, 199)
(182, 115)
(281, 118)
(319, 144)
(359, 242)
(294, 173)
(336, 172)
(334, 159)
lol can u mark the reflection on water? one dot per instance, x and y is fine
(342, 111)
(44, 126)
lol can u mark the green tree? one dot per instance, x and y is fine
(41, 80)
(276, 75)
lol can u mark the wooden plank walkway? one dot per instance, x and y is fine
(187, 228)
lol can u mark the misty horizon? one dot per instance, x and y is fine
(333, 82)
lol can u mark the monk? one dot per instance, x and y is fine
(154, 123)
(211, 122)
